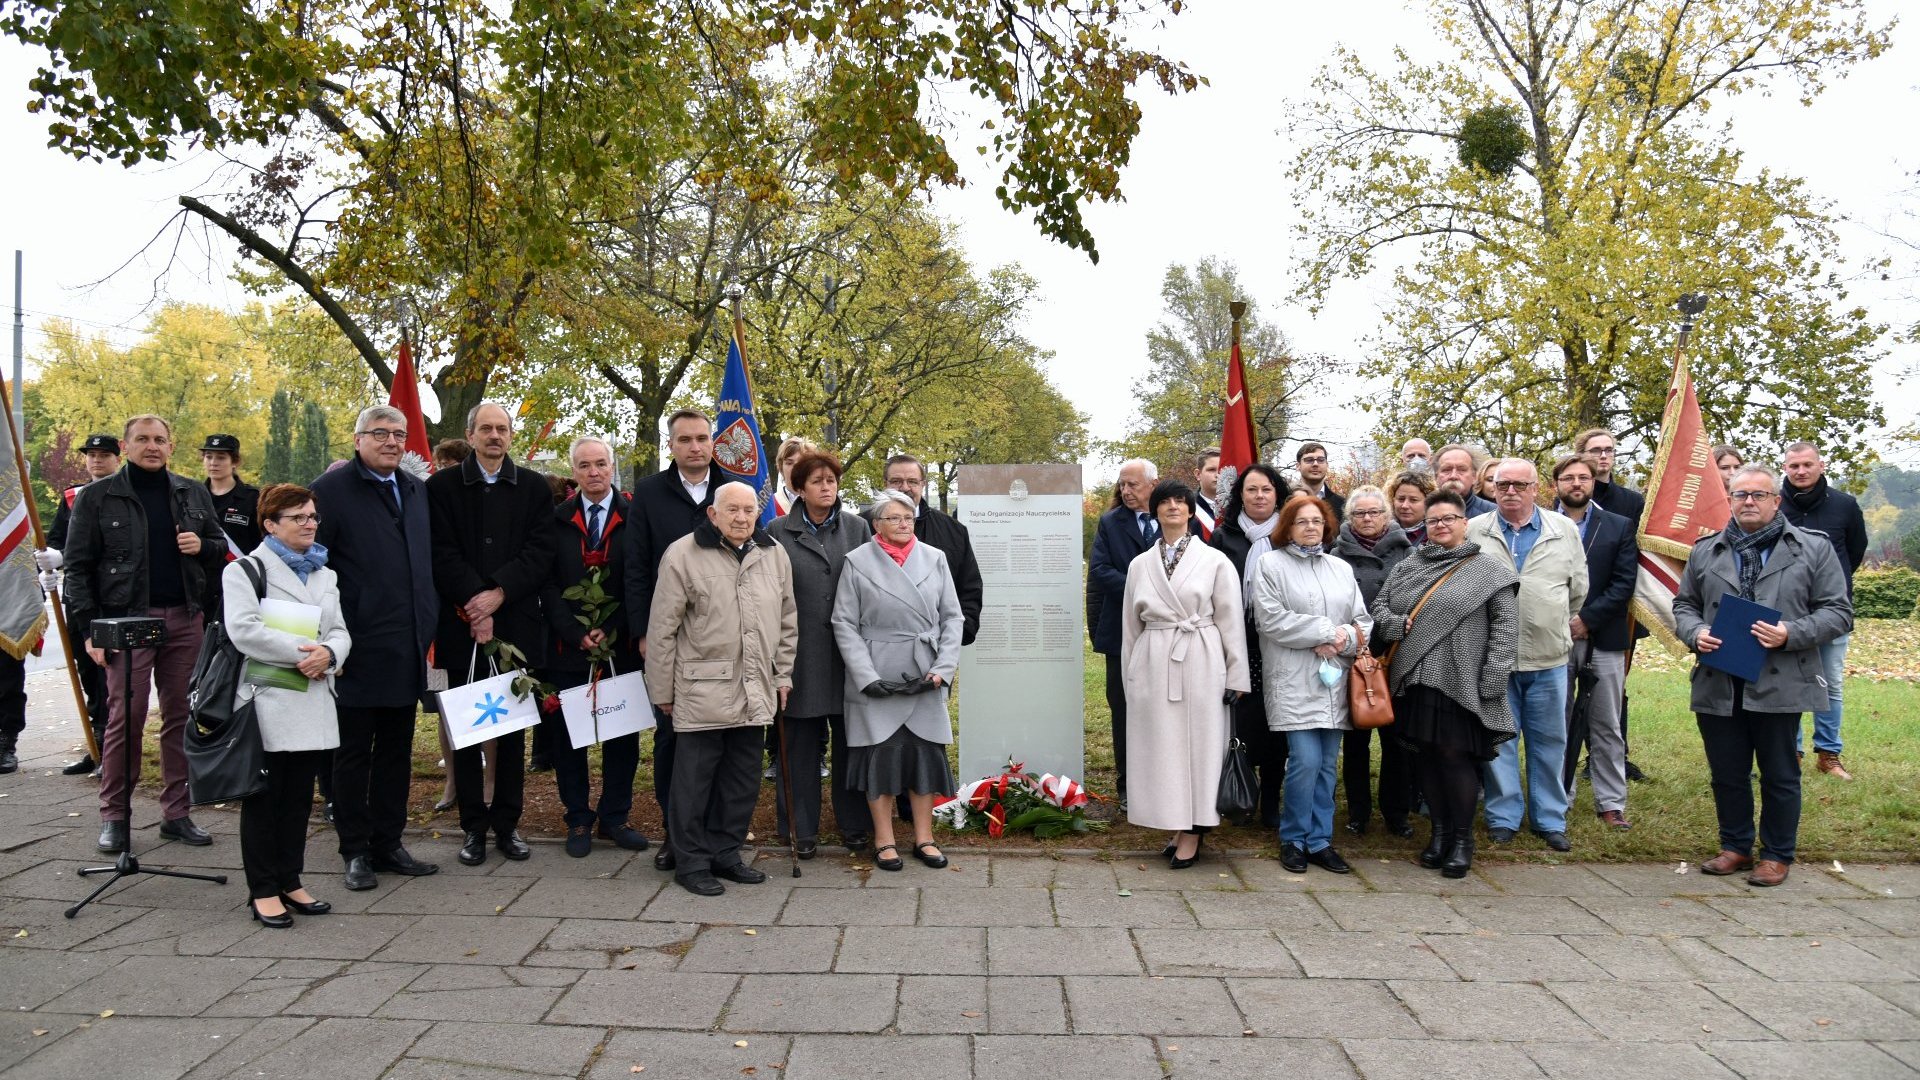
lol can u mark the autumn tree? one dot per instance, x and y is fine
(1183, 395)
(462, 155)
(277, 465)
(1539, 199)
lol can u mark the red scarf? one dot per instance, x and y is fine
(897, 554)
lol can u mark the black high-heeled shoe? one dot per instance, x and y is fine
(1177, 863)
(317, 907)
(271, 922)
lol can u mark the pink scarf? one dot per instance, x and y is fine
(897, 553)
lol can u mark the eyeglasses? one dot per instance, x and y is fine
(1751, 496)
(1513, 485)
(1447, 520)
(385, 435)
(299, 519)
(1316, 459)
(893, 519)
(1600, 451)
(1366, 513)
(1315, 522)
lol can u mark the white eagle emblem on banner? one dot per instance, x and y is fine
(736, 449)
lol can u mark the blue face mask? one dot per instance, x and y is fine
(1330, 673)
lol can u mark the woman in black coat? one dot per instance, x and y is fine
(1244, 532)
(1372, 542)
(817, 533)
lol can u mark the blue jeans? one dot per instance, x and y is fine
(1826, 723)
(1538, 701)
(1306, 798)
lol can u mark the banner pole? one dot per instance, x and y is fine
(39, 541)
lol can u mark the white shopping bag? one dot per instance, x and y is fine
(618, 705)
(485, 708)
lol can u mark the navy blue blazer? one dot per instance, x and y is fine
(1613, 567)
(1115, 545)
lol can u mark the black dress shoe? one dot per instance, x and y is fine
(401, 861)
(1400, 828)
(623, 836)
(326, 812)
(700, 883)
(1174, 862)
(1634, 774)
(473, 849)
(1329, 860)
(318, 907)
(740, 872)
(113, 836)
(360, 874)
(1555, 840)
(83, 767)
(663, 859)
(806, 850)
(856, 842)
(9, 760)
(579, 841)
(1293, 858)
(512, 846)
(1500, 835)
(1357, 826)
(184, 830)
(271, 922)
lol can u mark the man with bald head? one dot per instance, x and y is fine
(493, 538)
(1546, 552)
(1416, 455)
(721, 636)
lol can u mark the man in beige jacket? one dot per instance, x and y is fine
(1552, 565)
(720, 643)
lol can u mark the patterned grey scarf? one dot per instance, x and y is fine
(1750, 547)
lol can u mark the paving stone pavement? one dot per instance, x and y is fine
(1081, 966)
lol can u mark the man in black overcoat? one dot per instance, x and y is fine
(493, 535)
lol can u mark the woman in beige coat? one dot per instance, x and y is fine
(298, 725)
(1183, 647)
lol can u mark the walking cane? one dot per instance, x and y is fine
(786, 791)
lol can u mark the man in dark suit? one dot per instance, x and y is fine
(590, 538)
(1206, 476)
(665, 507)
(493, 536)
(373, 523)
(1602, 633)
(1125, 531)
(1599, 447)
(908, 475)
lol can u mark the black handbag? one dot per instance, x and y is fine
(1239, 790)
(225, 758)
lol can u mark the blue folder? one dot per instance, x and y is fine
(1740, 653)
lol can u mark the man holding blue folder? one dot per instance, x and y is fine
(1756, 602)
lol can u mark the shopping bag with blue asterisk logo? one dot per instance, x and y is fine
(499, 704)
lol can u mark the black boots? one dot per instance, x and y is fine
(1435, 854)
(1460, 856)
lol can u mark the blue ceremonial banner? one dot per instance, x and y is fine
(736, 435)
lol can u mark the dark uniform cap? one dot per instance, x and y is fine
(101, 442)
(229, 443)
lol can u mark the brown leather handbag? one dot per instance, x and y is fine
(1368, 703)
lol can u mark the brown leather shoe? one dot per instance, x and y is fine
(1727, 862)
(1829, 763)
(1767, 873)
(1614, 819)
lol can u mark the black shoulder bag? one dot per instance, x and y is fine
(225, 759)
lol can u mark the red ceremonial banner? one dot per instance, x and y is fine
(1239, 446)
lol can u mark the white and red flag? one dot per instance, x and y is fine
(23, 613)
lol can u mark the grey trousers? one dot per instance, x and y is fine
(1606, 744)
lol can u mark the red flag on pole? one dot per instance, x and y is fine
(405, 396)
(1686, 500)
(1239, 443)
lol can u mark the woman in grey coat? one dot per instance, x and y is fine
(298, 725)
(818, 535)
(1373, 544)
(897, 619)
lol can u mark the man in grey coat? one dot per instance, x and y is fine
(1761, 558)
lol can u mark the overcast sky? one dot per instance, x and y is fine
(1207, 178)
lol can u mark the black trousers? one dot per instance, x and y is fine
(501, 816)
(273, 823)
(808, 738)
(1396, 775)
(13, 700)
(1736, 745)
(716, 781)
(1117, 709)
(1266, 749)
(93, 687)
(572, 772)
(372, 775)
(663, 739)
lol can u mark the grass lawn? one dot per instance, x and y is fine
(1874, 818)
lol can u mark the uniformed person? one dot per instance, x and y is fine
(102, 455)
(236, 502)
